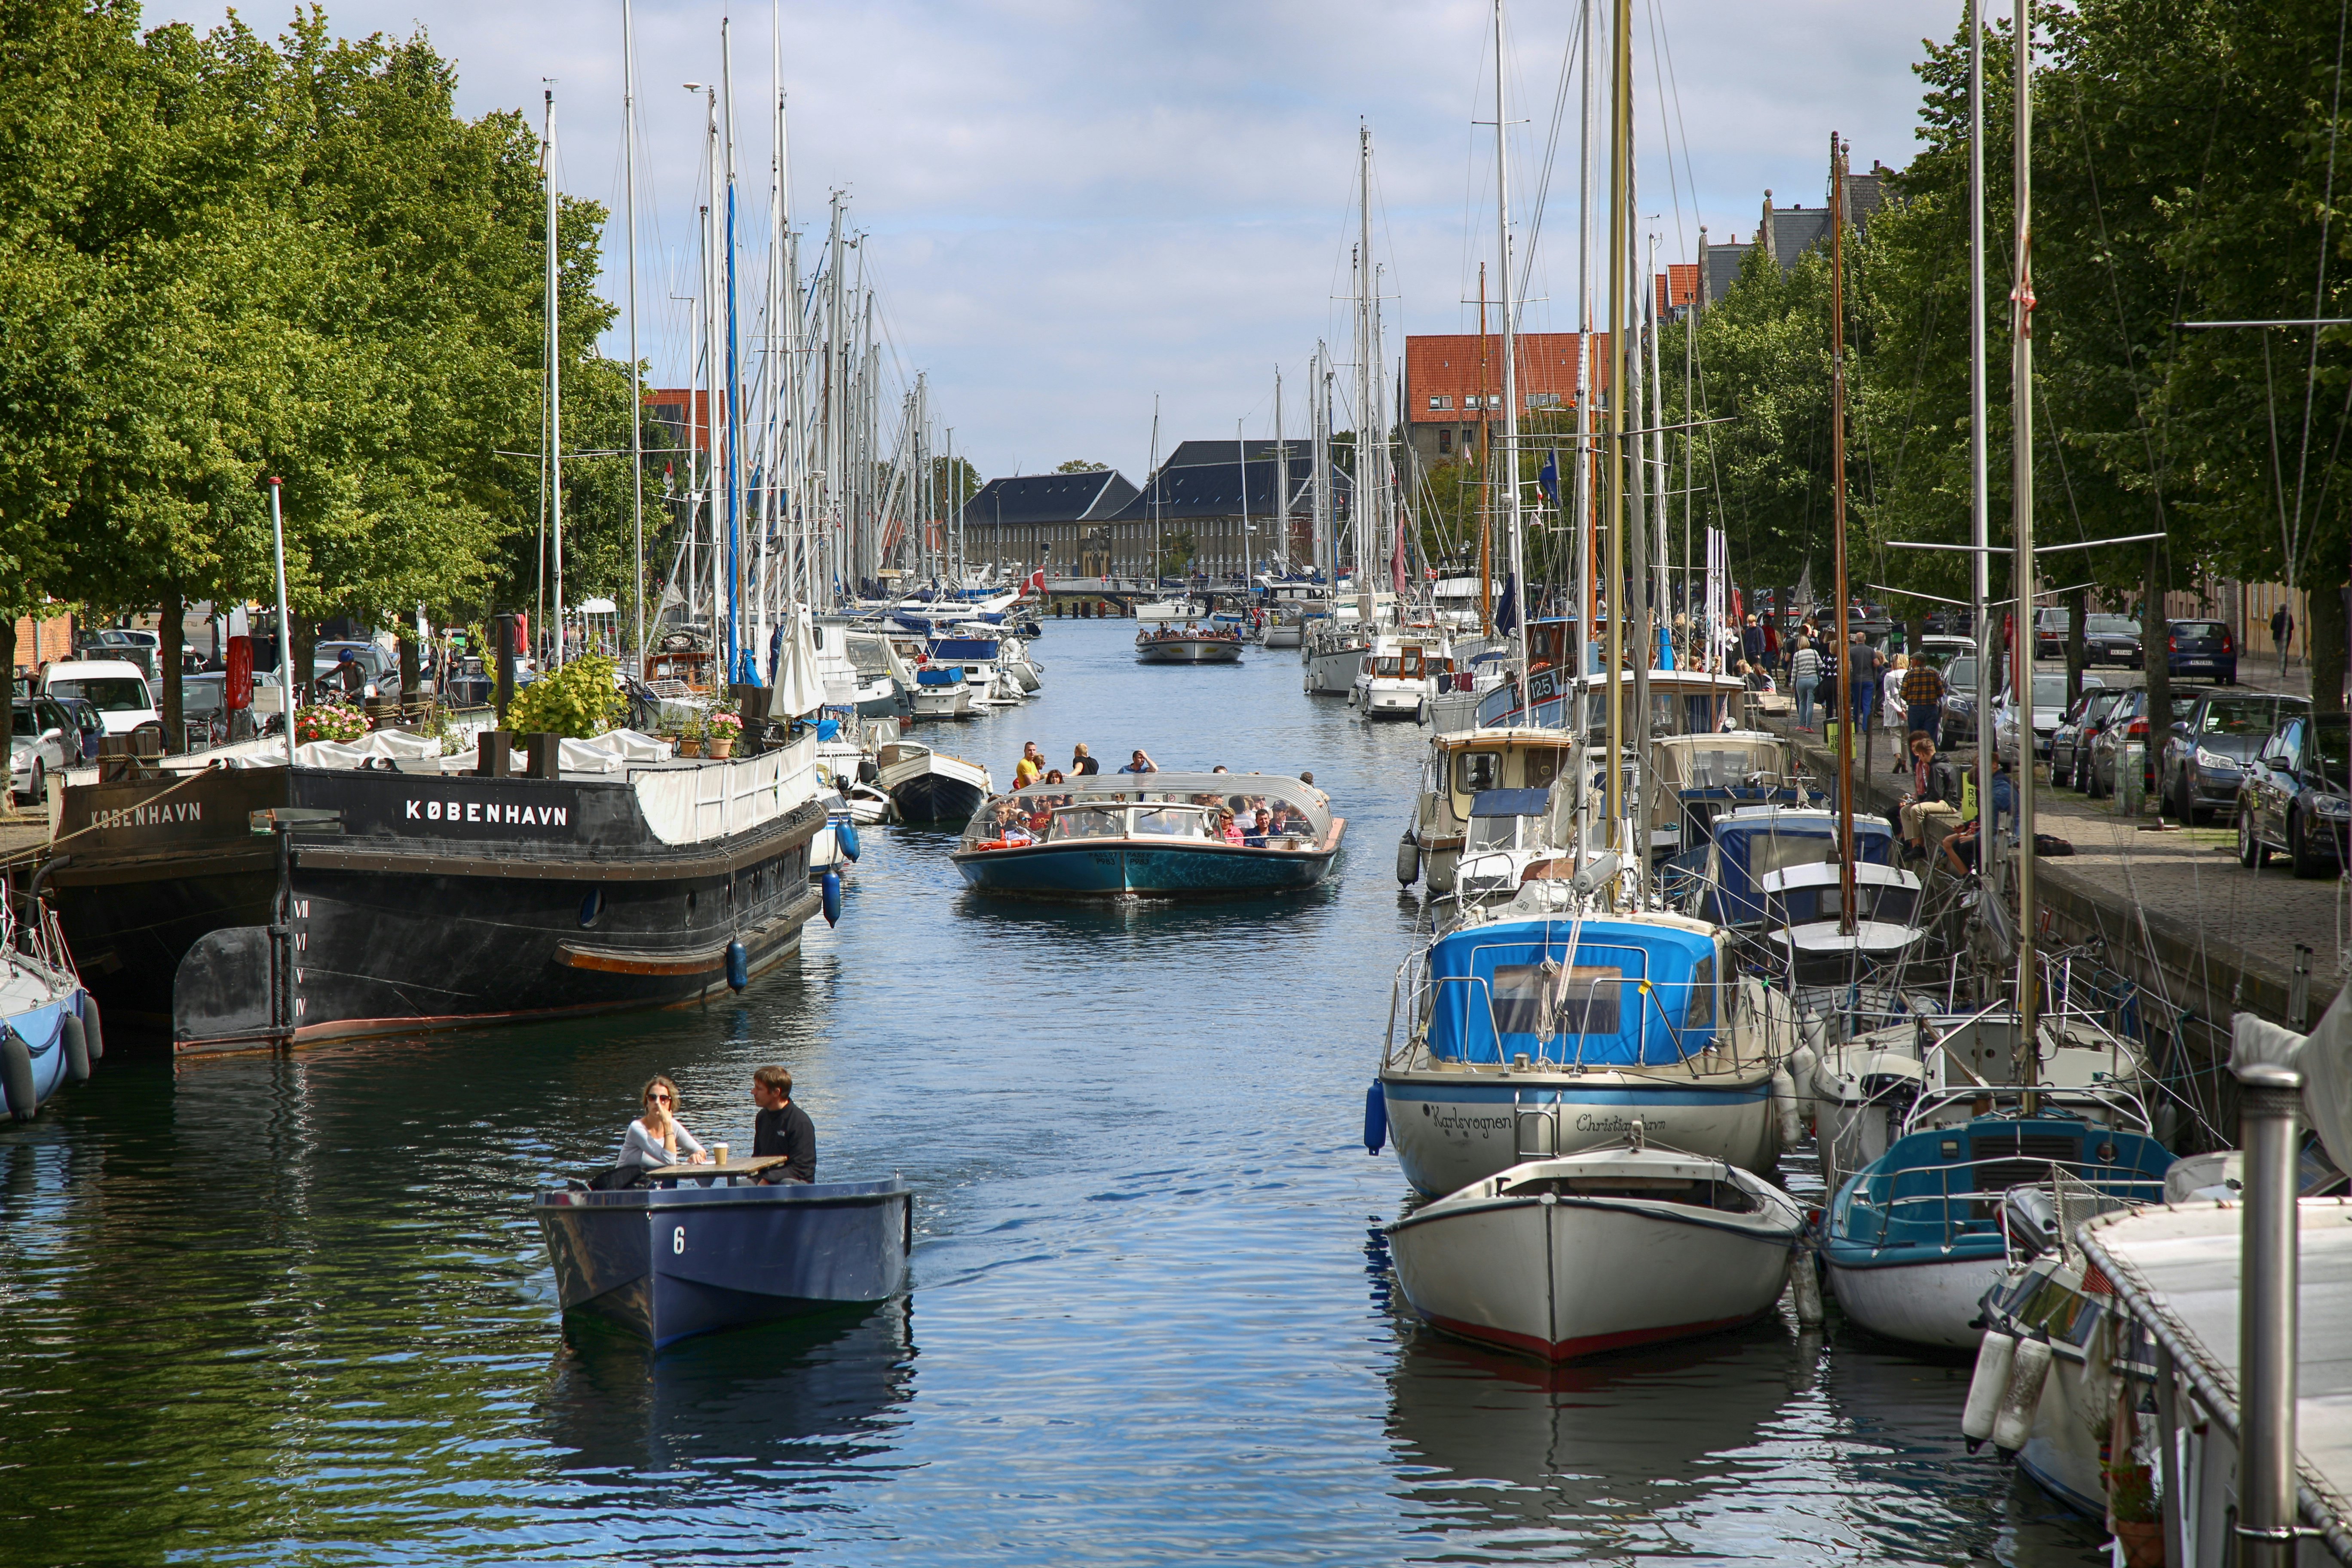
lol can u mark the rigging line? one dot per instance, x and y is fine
(2278, 474)
(2319, 283)
(1568, 56)
(1666, 142)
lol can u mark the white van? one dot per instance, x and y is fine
(115, 688)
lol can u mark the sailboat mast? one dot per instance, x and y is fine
(2021, 501)
(1847, 650)
(1621, 132)
(1487, 476)
(554, 382)
(1319, 443)
(1364, 415)
(1509, 495)
(1664, 594)
(636, 387)
(734, 382)
(1585, 362)
(1281, 482)
(1980, 480)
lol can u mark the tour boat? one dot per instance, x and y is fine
(1532, 1037)
(929, 785)
(1107, 834)
(1599, 1251)
(385, 889)
(1187, 645)
(710, 1247)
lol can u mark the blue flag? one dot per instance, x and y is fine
(1548, 481)
(1507, 613)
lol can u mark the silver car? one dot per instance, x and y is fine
(42, 740)
(2049, 709)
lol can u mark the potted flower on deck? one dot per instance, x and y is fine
(722, 731)
(689, 738)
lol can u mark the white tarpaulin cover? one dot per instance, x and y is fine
(2324, 1058)
(395, 744)
(800, 684)
(612, 751)
(712, 800)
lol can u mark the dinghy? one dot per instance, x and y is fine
(1599, 1251)
(930, 786)
(708, 1247)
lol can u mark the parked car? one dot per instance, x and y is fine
(1940, 648)
(2070, 743)
(2110, 639)
(89, 721)
(2050, 629)
(2293, 798)
(141, 649)
(381, 670)
(2205, 755)
(204, 709)
(2049, 706)
(1954, 622)
(2127, 722)
(2203, 647)
(117, 688)
(41, 741)
(1960, 698)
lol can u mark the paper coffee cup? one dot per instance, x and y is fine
(718, 1153)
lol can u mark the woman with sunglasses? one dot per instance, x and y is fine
(656, 1138)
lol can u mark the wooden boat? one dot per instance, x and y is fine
(707, 1247)
(1187, 645)
(1600, 1251)
(1109, 833)
(930, 786)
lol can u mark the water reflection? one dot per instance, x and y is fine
(799, 1396)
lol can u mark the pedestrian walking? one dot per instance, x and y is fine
(1923, 700)
(1805, 675)
(2282, 634)
(1752, 641)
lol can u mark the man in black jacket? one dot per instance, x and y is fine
(781, 1128)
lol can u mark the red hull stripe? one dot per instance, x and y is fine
(1590, 1344)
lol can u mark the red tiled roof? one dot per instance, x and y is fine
(1678, 286)
(672, 404)
(1457, 366)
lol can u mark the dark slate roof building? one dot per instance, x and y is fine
(1229, 507)
(1787, 233)
(1027, 499)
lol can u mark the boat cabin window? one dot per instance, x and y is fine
(1539, 768)
(1498, 833)
(1699, 1012)
(1779, 851)
(1385, 667)
(1171, 822)
(1545, 999)
(1475, 771)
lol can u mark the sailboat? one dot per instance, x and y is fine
(1334, 648)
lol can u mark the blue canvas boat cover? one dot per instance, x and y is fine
(1632, 993)
(1509, 802)
(975, 648)
(929, 677)
(1747, 843)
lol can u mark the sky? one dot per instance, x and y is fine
(1073, 210)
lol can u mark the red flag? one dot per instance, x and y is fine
(1396, 564)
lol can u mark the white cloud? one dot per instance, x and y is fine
(1074, 206)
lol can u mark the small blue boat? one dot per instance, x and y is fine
(49, 1032)
(1914, 1239)
(1753, 841)
(1156, 835)
(709, 1247)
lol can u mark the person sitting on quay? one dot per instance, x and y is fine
(782, 1129)
(1922, 792)
(656, 1138)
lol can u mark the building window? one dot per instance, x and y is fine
(1441, 401)
(1445, 440)
(1543, 400)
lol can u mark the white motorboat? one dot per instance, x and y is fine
(1334, 655)
(932, 786)
(1400, 673)
(1460, 766)
(942, 692)
(1599, 1251)
(1531, 1037)
(1166, 611)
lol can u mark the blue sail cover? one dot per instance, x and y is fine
(1749, 844)
(977, 650)
(933, 676)
(1632, 993)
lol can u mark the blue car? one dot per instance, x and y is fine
(2203, 647)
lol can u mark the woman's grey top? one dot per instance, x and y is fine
(642, 1148)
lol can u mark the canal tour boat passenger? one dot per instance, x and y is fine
(781, 1128)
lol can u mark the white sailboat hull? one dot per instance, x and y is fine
(1920, 1303)
(1452, 1129)
(1332, 673)
(1584, 1275)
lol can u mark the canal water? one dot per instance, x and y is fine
(292, 1311)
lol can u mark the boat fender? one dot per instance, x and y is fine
(1996, 1353)
(830, 889)
(76, 1041)
(845, 833)
(1420, 715)
(1408, 866)
(1805, 1288)
(1376, 1119)
(16, 1075)
(739, 961)
(89, 1023)
(2029, 1370)
(1784, 1099)
(867, 771)
(1803, 1065)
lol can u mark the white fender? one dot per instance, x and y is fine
(1784, 1099)
(2028, 1370)
(1996, 1353)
